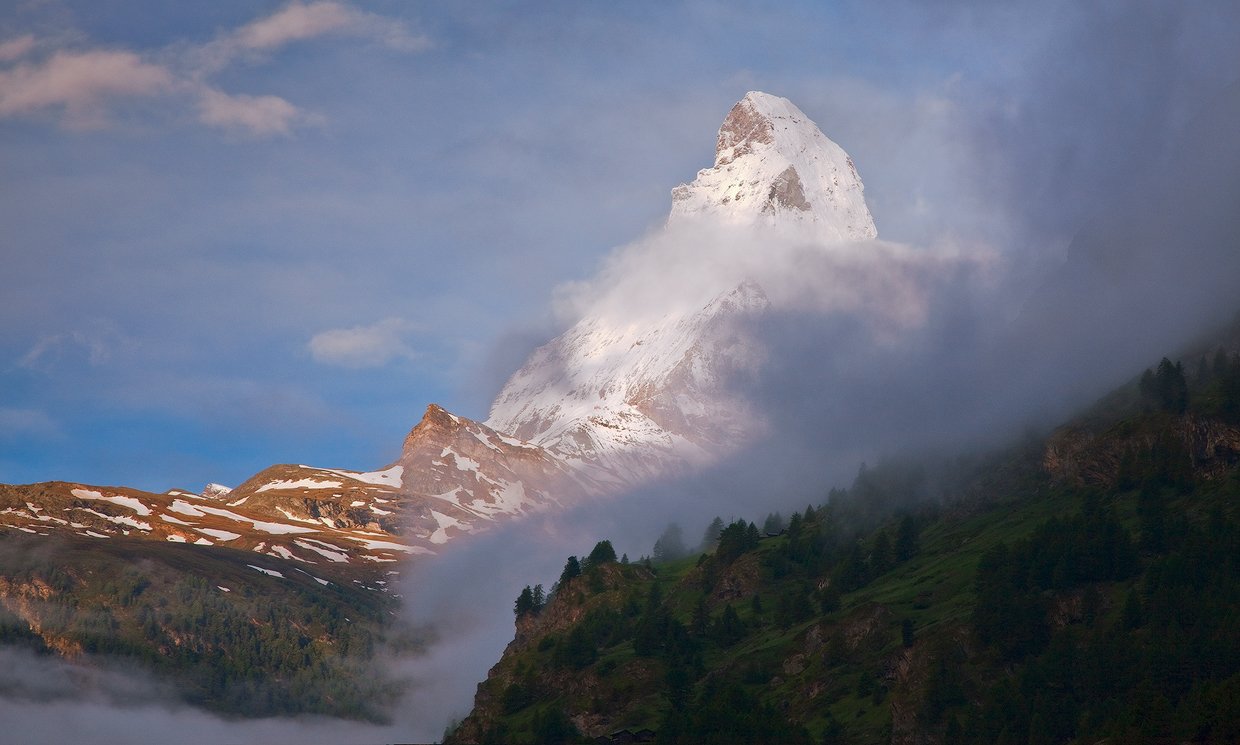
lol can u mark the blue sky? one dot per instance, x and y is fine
(243, 233)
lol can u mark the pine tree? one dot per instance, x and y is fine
(774, 524)
(671, 545)
(881, 557)
(603, 553)
(907, 539)
(751, 537)
(525, 602)
(572, 568)
(710, 538)
(700, 622)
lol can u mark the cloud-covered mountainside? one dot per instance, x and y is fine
(642, 385)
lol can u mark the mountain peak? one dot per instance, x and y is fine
(774, 167)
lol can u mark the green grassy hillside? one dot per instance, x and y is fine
(1007, 599)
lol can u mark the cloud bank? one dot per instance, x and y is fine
(81, 87)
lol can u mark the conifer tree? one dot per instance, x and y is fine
(603, 553)
(572, 568)
(711, 537)
(906, 539)
(525, 602)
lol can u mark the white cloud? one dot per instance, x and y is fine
(295, 22)
(80, 82)
(257, 115)
(364, 346)
(299, 21)
(16, 48)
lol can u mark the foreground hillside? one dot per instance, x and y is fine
(232, 631)
(1077, 589)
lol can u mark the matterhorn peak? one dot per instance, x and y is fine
(774, 167)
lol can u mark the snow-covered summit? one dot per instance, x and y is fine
(774, 167)
(627, 402)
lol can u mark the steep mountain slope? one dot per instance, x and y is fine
(620, 398)
(627, 399)
(625, 402)
(970, 599)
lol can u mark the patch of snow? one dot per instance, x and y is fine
(118, 519)
(387, 477)
(336, 556)
(185, 508)
(316, 579)
(222, 588)
(284, 553)
(445, 521)
(299, 484)
(174, 538)
(215, 491)
(291, 516)
(270, 572)
(203, 542)
(463, 463)
(222, 535)
(279, 528)
(129, 502)
(171, 519)
(389, 546)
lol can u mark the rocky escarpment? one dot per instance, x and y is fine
(1089, 456)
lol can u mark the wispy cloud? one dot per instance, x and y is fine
(257, 115)
(79, 83)
(77, 87)
(300, 21)
(364, 346)
(16, 48)
(96, 342)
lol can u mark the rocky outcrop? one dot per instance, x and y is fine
(1086, 456)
